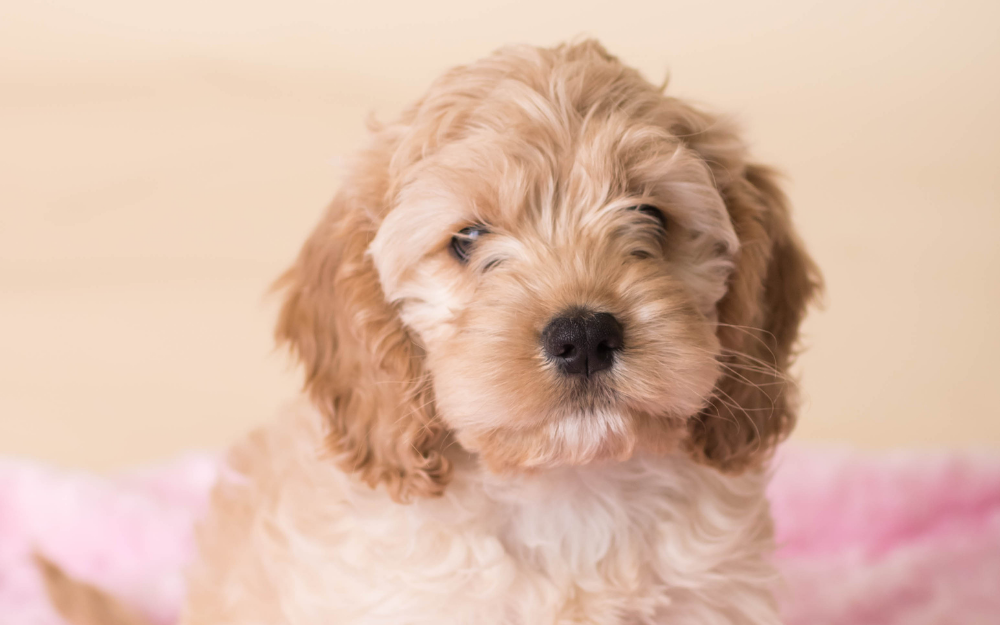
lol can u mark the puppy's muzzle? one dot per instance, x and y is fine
(583, 342)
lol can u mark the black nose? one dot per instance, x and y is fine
(583, 342)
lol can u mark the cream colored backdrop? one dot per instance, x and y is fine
(161, 163)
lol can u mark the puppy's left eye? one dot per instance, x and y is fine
(463, 242)
(655, 213)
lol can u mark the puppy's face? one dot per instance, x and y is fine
(550, 262)
(562, 276)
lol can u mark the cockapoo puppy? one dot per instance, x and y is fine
(546, 327)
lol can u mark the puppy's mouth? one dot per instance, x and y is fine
(584, 351)
(591, 394)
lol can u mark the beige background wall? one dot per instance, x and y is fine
(161, 163)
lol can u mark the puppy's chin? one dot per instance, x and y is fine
(578, 438)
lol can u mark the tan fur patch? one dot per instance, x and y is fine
(407, 349)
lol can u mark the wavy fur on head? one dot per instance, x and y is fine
(406, 350)
(534, 184)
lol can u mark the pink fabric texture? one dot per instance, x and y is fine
(908, 539)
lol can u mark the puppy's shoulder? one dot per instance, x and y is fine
(267, 489)
(293, 437)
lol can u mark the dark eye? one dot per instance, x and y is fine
(463, 242)
(655, 213)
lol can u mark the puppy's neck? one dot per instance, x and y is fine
(588, 507)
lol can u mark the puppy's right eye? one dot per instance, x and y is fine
(463, 242)
(651, 211)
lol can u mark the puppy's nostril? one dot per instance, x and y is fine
(564, 340)
(605, 334)
(583, 342)
(612, 342)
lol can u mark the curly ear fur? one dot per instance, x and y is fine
(754, 404)
(363, 370)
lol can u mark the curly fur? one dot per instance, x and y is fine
(655, 539)
(442, 470)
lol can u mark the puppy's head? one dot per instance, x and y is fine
(549, 262)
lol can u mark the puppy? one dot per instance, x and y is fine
(546, 326)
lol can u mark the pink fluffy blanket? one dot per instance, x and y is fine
(864, 540)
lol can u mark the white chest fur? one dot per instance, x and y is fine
(292, 539)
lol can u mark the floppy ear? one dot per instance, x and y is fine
(754, 403)
(363, 370)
